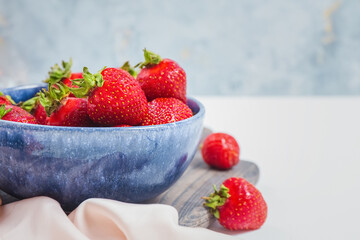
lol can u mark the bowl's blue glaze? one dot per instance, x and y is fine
(71, 164)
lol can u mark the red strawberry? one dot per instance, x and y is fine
(162, 78)
(61, 109)
(123, 125)
(34, 107)
(40, 114)
(16, 114)
(71, 112)
(166, 110)
(114, 97)
(220, 150)
(238, 205)
(6, 99)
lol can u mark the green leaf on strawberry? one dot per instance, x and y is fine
(216, 199)
(127, 67)
(88, 82)
(4, 111)
(30, 104)
(58, 73)
(52, 98)
(150, 59)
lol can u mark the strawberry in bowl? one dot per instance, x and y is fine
(112, 154)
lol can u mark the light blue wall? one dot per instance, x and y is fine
(235, 47)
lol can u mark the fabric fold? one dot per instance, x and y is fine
(43, 218)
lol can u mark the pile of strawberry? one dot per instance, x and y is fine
(112, 97)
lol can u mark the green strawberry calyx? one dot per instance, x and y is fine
(30, 104)
(8, 97)
(4, 111)
(87, 83)
(217, 199)
(57, 73)
(127, 67)
(151, 59)
(51, 98)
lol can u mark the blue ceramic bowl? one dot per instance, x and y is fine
(71, 164)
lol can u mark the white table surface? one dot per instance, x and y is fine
(308, 152)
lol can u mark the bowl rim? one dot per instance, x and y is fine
(198, 115)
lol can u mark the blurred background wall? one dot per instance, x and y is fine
(234, 47)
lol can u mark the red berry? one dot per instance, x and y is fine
(162, 78)
(238, 205)
(40, 114)
(119, 101)
(220, 150)
(114, 97)
(72, 112)
(16, 114)
(166, 110)
(5, 99)
(34, 107)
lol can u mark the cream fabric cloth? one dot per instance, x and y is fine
(43, 218)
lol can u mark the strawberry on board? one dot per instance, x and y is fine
(220, 151)
(16, 114)
(6, 99)
(161, 78)
(238, 205)
(166, 110)
(114, 97)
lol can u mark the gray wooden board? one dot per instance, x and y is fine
(197, 181)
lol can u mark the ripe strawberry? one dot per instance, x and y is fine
(220, 150)
(114, 97)
(60, 107)
(166, 110)
(71, 112)
(34, 107)
(162, 78)
(238, 205)
(6, 99)
(16, 114)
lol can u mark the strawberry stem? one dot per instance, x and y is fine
(150, 59)
(87, 83)
(4, 111)
(52, 98)
(127, 67)
(216, 199)
(57, 73)
(30, 104)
